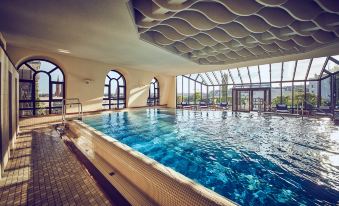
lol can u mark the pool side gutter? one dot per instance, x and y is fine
(137, 176)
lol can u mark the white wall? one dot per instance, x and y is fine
(6, 139)
(77, 70)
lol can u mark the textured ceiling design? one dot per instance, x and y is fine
(232, 31)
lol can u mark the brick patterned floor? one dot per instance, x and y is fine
(43, 171)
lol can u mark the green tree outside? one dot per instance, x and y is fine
(310, 98)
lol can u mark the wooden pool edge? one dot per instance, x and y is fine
(144, 177)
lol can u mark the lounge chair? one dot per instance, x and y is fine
(282, 108)
(308, 108)
(325, 109)
(185, 105)
(203, 105)
(223, 106)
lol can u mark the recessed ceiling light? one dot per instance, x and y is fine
(64, 51)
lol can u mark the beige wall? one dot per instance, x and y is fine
(77, 70)
(7, 140)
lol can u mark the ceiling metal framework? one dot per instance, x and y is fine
(315, 69)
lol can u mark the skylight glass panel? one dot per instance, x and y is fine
(325, 74)
(301, 70)
(276, 72)
(254, 74)
(288, 70)
(332, 67)
(186, 75)
(194, 76)
(336, 57)
(235, 75)
(199, 79)
(244, 75)
(205, 78)
(212, 78)
(264, 71)
(227, 76)
(316, 67)
(217, 74)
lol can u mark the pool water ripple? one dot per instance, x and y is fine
(250, 159)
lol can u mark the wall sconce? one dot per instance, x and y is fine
(88, 81)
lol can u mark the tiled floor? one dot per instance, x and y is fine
(43, 171)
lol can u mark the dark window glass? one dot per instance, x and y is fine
(41, 82)
(154, 90)
(114, 91)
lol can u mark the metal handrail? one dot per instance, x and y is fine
(73, 101)
(316, 108)
(268, 106)
(300, 100)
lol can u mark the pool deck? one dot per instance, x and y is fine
(43, 171)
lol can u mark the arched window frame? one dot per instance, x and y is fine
(155, 100)
(121, 100)
(52, 109)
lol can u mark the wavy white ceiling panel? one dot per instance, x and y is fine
(228, 31)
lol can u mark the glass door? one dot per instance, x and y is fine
(244, 101)
(251, 99)
(258, 100)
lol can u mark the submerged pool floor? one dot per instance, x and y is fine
(250, 159)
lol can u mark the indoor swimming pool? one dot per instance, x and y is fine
(249, 159)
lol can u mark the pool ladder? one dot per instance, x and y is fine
(70, 102)
(300, 101)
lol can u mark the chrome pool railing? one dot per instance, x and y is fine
(300, 101)
(70, 102)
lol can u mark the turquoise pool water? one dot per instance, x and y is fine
(250, 159)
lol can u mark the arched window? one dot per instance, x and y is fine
(154, 93)
(114, 91)
(41, 89)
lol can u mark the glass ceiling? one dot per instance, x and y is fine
(299, 70)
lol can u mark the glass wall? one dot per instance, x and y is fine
(299, 92)
(229, 95)
(204, 94)
(185, 89)
(326, 92)
(275, 94)
(312, 93)
(287, 94)
(179, 89)
(307, 80)
(197, 92)
(276, 72)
